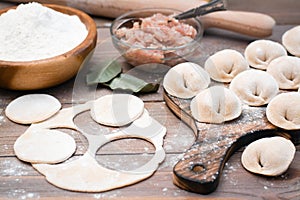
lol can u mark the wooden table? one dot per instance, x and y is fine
(18, 180)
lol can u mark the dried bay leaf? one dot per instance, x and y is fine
(128, 82)
(144, 78)
(104, 73)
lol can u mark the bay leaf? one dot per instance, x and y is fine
(105, 73)
(128, 82)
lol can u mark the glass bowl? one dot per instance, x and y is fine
(137, 55)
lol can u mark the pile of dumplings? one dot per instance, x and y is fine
(266, 75)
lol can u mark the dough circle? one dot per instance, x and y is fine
(44, 146)
(261, 52)
(224, 65)
(291, 40)
(286, 71)
(283, 111)
(117, 109)
(269, 156)
(216, 104)
(185, 80)
(254, 87)
(32, 108)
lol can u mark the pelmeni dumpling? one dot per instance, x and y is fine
(254, 87)
(286, 71)
(261, 52)
(269, 156)
(283, 111)
(224, 65)
(216, 104)
(185, 80)
(291, 40)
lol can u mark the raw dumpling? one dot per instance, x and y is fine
(254, 87)
(261, 52)
(269, 156)
(224, 65)
(283, 111)
(185, 80)
(117, 109)
(44, 146)
(291, 40)
(215, 105)
(32, 108)
(286, 71)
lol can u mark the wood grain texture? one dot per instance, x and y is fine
(249, 23)
(18, 180)
(201, 167)
(284, 12)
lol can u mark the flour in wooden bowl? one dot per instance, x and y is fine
(33, 32)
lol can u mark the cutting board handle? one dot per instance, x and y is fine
(201, 167)
(249, 23)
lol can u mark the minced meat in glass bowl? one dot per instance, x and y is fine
(154, 36)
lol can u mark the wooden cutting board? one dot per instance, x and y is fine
(201, 167)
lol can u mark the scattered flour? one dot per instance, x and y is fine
(33, 32)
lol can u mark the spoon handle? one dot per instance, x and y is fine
(215, 5)
(248, 23)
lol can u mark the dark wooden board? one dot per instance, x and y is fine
(201, 166)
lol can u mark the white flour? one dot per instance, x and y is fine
(33, 32)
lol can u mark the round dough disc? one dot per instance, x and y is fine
(117, 109)
(283, 111)
(269, 156)
(44, 146)
(32, 108)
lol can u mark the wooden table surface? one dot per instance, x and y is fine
(18, 180)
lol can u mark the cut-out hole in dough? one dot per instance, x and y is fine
(117, 109)
(44, 146)
(125, 156)
(32, 108)
(87, 125)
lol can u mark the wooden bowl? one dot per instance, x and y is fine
(44, 73)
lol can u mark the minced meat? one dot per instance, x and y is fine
(158, 31)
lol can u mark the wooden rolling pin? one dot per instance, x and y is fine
(248, 23)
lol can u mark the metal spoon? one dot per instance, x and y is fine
(214, 5)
